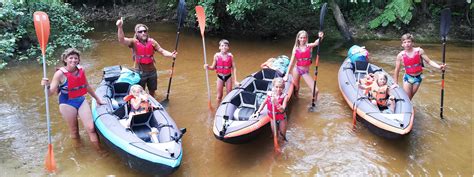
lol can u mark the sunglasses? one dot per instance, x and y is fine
(142, 31)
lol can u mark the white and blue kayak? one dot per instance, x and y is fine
(160, 154)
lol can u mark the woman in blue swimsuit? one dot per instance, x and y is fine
(71, 84)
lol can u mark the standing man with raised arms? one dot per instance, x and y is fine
(143, 49)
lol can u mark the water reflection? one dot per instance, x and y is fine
(320, 143)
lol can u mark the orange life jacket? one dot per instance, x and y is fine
(381, 96)
(303, 58)
(413, 65)
(76, 84)
(224, 67)
(143, 53)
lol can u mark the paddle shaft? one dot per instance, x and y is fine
(207, 73)
(172, 65)
(46, 95)
(315, 75)
(442, 79)
(275, 137)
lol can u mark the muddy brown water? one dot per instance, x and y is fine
(320, 143)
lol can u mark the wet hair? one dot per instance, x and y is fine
(407, 36)
(137, 26)
(136, 87)
(223, 41)
(297, 43)
(278, 80)
(68, 52)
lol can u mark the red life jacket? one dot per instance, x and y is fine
(278, 115)
(412, 65)
(303, 58)
(381, 96)
(368, 82)
(224, 67)
(143, 53)
(76, 84)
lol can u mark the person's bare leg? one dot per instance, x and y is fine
(69, 114)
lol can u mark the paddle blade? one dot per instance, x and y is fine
(41, 22)
(321, 16)
(445, 22)
(201, 16)
(165, 103)
(50, 163)
(181, 13)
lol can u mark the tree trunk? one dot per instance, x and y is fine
(341, 23)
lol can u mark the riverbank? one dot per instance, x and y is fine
(425, 29)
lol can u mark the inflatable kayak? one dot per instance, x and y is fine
(386, 123)
(152, 144)
(233, 122)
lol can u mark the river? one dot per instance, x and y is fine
(320, 143)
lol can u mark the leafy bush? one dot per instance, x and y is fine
(18, 37)
(397, 12)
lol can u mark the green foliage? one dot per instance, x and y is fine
(18, 37)
(265, 19)
(397, 12)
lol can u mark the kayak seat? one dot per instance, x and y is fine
(141, 125)
(265, 74)
(247, 106)
(361, 68)
(261, 86)
(120, 90)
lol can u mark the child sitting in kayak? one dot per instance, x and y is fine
(380, 92)
(139, 102)
(225, 68)
(366, 82)
(280, 99)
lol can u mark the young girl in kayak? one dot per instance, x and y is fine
(276, 100)
(412, 58)
(302, 54)
(71, 84)
(224, 66)
(139, 103)
(380, 92)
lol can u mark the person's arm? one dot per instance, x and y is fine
(92, 93)
(290, 66)
(262, 105)
(164, 52)
(53, 86)
(396, 72)
(135, 102)
(429, 61)
(213, 65)
(121, 36)
(317, 41)
(283, 106)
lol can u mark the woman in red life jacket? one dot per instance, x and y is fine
(412, 58)
(380, 93)
(143, 49)
(280, 100)
(71, 84)
(224, 66)
(139, 103)
(302, 54)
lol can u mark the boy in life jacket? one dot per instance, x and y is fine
(224, 66)
(412, 59)
(139, 103)
(380, 93)
(143, 49)
(276, 100)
